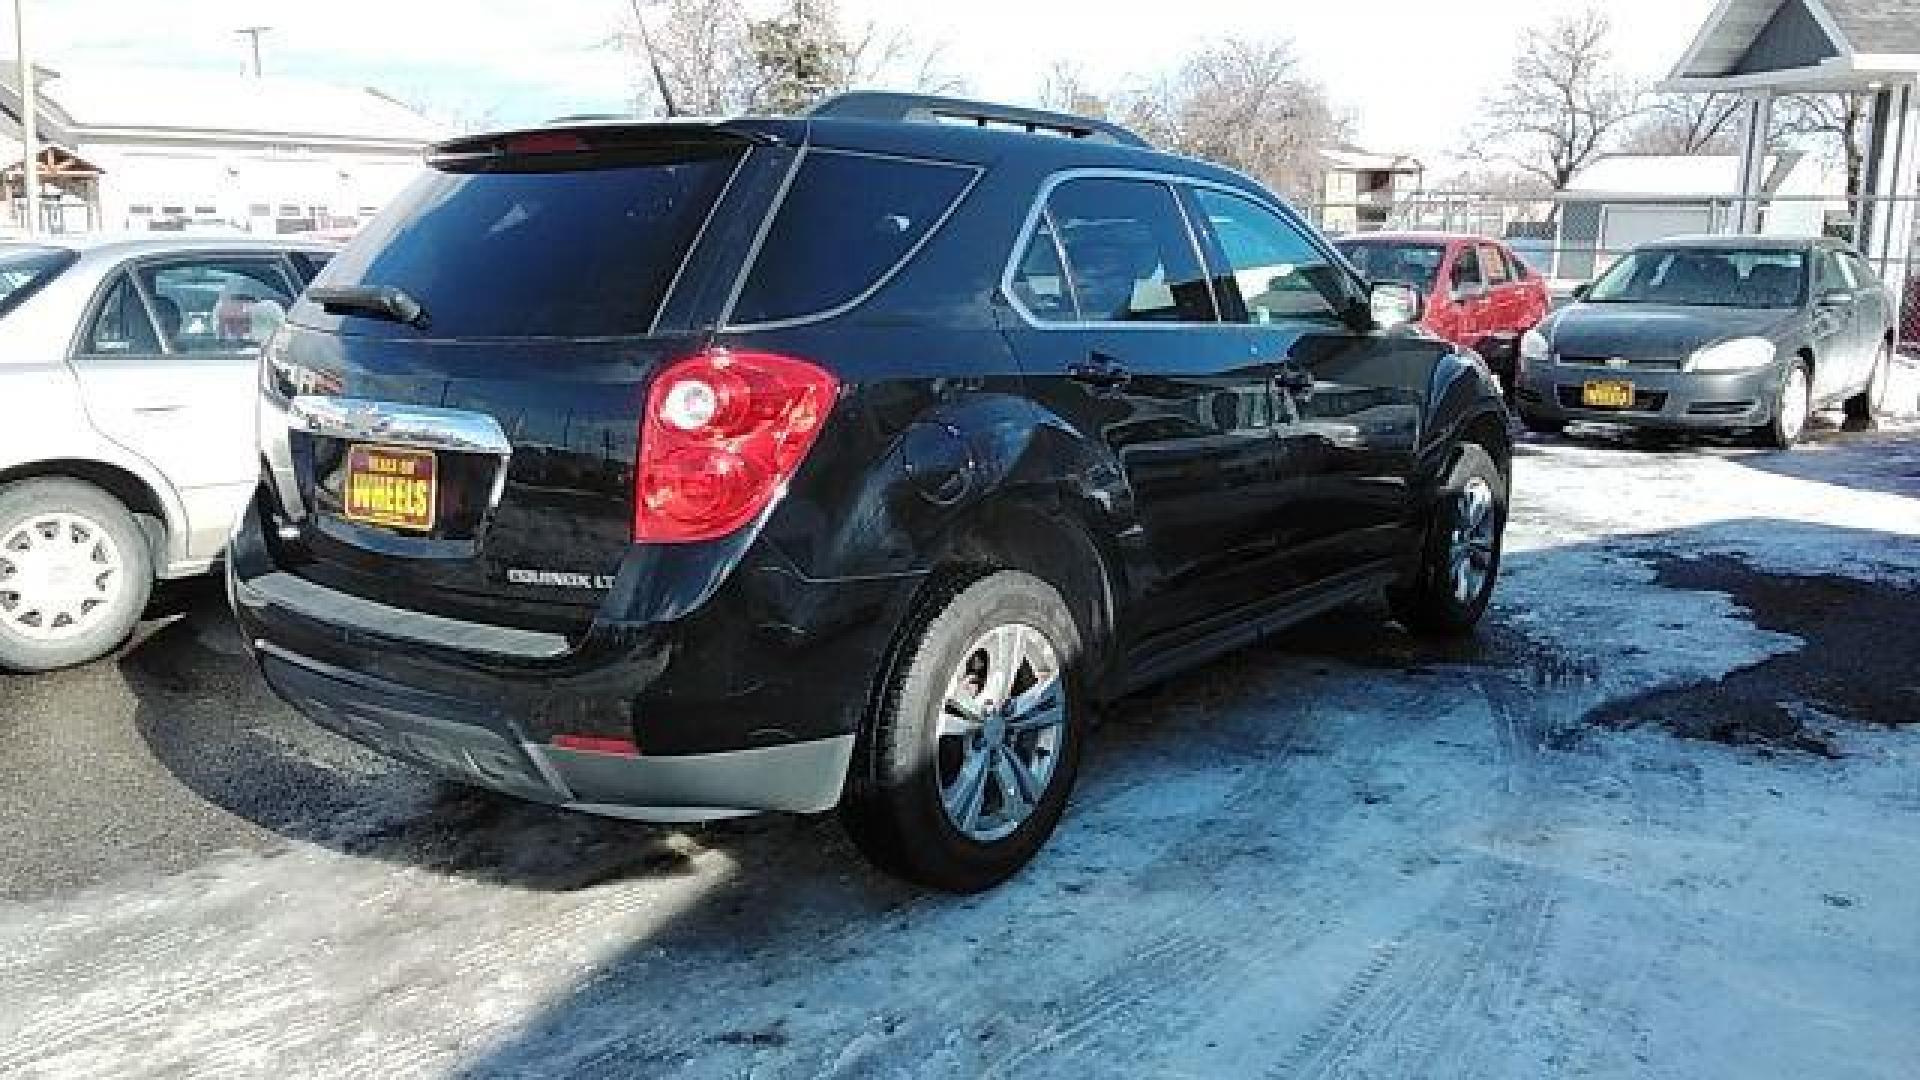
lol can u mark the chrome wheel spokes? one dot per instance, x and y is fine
(1001, 730)
(1474, 543)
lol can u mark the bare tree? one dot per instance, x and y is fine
(1688, 124)
(1837, 124)
(1563, 106)
(1065, 88)
(715, 60)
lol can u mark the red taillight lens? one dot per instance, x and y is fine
(724, 432)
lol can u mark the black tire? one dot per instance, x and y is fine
(1781, 431)
(1428, 602)
(1541, 425)
(101, 627)
(1865, 407)
(893, 806)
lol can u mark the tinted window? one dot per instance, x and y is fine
(1704, 277)
(1277, 273)
(217, 305)
(1040, 282)
(122, 326)
(1494, 266)
(1412, 264)
(23, 270)
(1828, 275)
(310, 263)
(846, 222)
(1129, 255)
(584, 252)
(1862, 271)
(1466, 268)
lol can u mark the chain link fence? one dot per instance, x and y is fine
(1573, 239)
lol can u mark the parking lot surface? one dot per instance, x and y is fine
(1661, 818)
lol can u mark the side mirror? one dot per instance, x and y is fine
(1394, 305)
(1836, 298)
(1472, 290)
(1581, 290)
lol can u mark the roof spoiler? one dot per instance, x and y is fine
(586, 137)
(932, 109)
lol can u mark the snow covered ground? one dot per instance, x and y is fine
(1339, 854)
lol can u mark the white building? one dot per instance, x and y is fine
(1358, 189)
(1624, 200)
(173, 149)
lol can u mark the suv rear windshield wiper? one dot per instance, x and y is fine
(380, 302)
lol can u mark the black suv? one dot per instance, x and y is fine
(680, 470)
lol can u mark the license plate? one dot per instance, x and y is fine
(392, 486)
(1607, 394)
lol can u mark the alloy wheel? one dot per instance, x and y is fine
(1471, 546)
(1001, 731)
(58, 572)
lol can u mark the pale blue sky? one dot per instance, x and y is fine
(1410, 71)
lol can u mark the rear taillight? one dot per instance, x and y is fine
(723, 433)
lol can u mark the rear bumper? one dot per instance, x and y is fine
(748, 704)
(472, 742)
(1663, 398)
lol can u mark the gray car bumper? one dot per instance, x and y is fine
(1663, 397)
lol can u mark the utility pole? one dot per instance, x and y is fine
(252, 34)
(29, 121)
(653, 60)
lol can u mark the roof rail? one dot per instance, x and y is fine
(931, 109)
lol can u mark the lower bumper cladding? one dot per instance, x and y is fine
(468, 742)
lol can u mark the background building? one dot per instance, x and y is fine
(166, 150)
(1360, 189)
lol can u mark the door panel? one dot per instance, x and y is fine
(1836, 328)
(1347, 403)
(1118, 334)
(168, 369)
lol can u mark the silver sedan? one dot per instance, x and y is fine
(127, 376)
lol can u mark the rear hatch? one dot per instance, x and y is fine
(463, 384)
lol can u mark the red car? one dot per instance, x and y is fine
(1478, 294)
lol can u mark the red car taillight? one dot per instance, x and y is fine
(723, 433)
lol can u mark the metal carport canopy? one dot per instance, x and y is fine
(1760, 49)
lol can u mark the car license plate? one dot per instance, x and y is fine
(1607, 394)
(392, 486)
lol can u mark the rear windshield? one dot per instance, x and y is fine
(847, 221)
(575, 253)
(23, 270)
(1409, 264)
(1705, 277)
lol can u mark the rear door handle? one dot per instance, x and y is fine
(1100, 371)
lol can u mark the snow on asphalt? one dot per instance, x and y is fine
(1341, 853)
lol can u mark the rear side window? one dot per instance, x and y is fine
(1494, 265)
(1130, 257)
(848, 221)
(23, 270)
(1466, 268)
(573, 253)
(122, 327)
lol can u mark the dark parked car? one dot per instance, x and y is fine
(1715, 333)
(683, 470)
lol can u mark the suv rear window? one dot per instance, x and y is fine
(573, 253)
(24, 269)
(848, 220)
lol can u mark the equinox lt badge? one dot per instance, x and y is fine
(559, 578)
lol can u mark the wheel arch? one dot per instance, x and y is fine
(162, 521)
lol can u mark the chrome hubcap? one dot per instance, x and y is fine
(57, 573)
(1793, 403)
(1002, 726)
(1473, 542)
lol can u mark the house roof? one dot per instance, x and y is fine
(1801, 45)
(78, 103)
(1347, 157)
(1690, 178)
